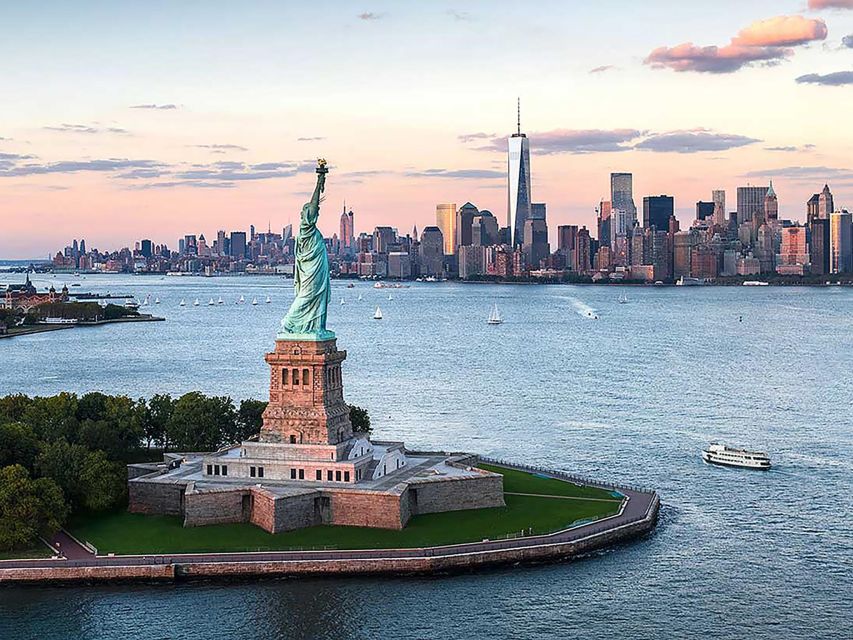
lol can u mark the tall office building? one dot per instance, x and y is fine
(518, 183)
(771, 205)
(535, 246)
(656, 211)
(718, 197)
(484, 230)
(750, 203)
(567, 238)
(705, 211)
(432, 251)
(146, 248)
(445, 219)
(464, 223)
(825, 204)
(347, 234)
(819, 245)
(583, 254)
(605, 208)
(841, 242)
(622, 195)
(238, 244)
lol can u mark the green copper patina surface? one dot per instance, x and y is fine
(306, 318)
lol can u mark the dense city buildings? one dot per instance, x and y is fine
(470, 244)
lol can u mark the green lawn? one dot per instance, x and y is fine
(41, 551)
(523, 482)
(126, 533)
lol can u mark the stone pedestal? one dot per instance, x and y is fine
(306, 394)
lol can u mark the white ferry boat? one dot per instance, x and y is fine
(755, 283)
(727, 456)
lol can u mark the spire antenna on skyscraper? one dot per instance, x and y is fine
(519, 116)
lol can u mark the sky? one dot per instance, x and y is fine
(122, 121)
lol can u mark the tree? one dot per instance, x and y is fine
(250, 418)
(64, 463)
(114, 424)
(18, 445)
(53, 417)
(87, 478)
(104, 482)
(159, 411)
(199, 423)
(360, 419)
(13, 407)
(28, 508)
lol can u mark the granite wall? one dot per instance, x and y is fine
(216, 507)
(155, 498)
(455, 493)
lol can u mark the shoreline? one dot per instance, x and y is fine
(636, 518)
(42, 328)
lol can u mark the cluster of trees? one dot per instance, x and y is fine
(83, 311)
(65, 454)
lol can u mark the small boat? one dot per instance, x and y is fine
(755, 283)
(360, 297)
(254, 301)
(350, 286)
(342, 301)
(241, 300)
(131, 304)
(195, 304)
(730, 457)
(183, 303)
(267, 301)
(495, 316)
(211, 303)
(378, 314)
(689, 282)
(156, 300)
(623, 298)
(220, 301)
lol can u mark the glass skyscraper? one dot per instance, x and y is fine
(518, 183)
(622, 195)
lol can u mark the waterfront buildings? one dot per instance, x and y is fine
(518, 183)
(793, 258)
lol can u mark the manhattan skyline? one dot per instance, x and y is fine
(188, 119)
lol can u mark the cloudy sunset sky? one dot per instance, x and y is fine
(120, 121)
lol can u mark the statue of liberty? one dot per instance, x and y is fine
(306, 318)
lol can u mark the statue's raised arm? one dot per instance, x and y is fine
(306, 319)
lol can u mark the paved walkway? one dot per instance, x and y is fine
(69, 547)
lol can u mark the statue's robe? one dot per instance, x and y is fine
(307, 314)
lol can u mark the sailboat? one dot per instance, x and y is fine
(156, 300)
(183, 303)
(268, 300)
(389, 297)
(378, 314)
(195, 304)
(220, 301)
(241, 300)
(211, 303)
(623, 298)
(495, 316)
(360, 297)
(342, 301)
(254, 301)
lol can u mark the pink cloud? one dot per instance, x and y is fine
(781, 31)
(817, 5)
(768, 41)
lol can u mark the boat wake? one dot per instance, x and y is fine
(583, 309)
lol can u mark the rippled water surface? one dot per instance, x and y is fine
(632, 396)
